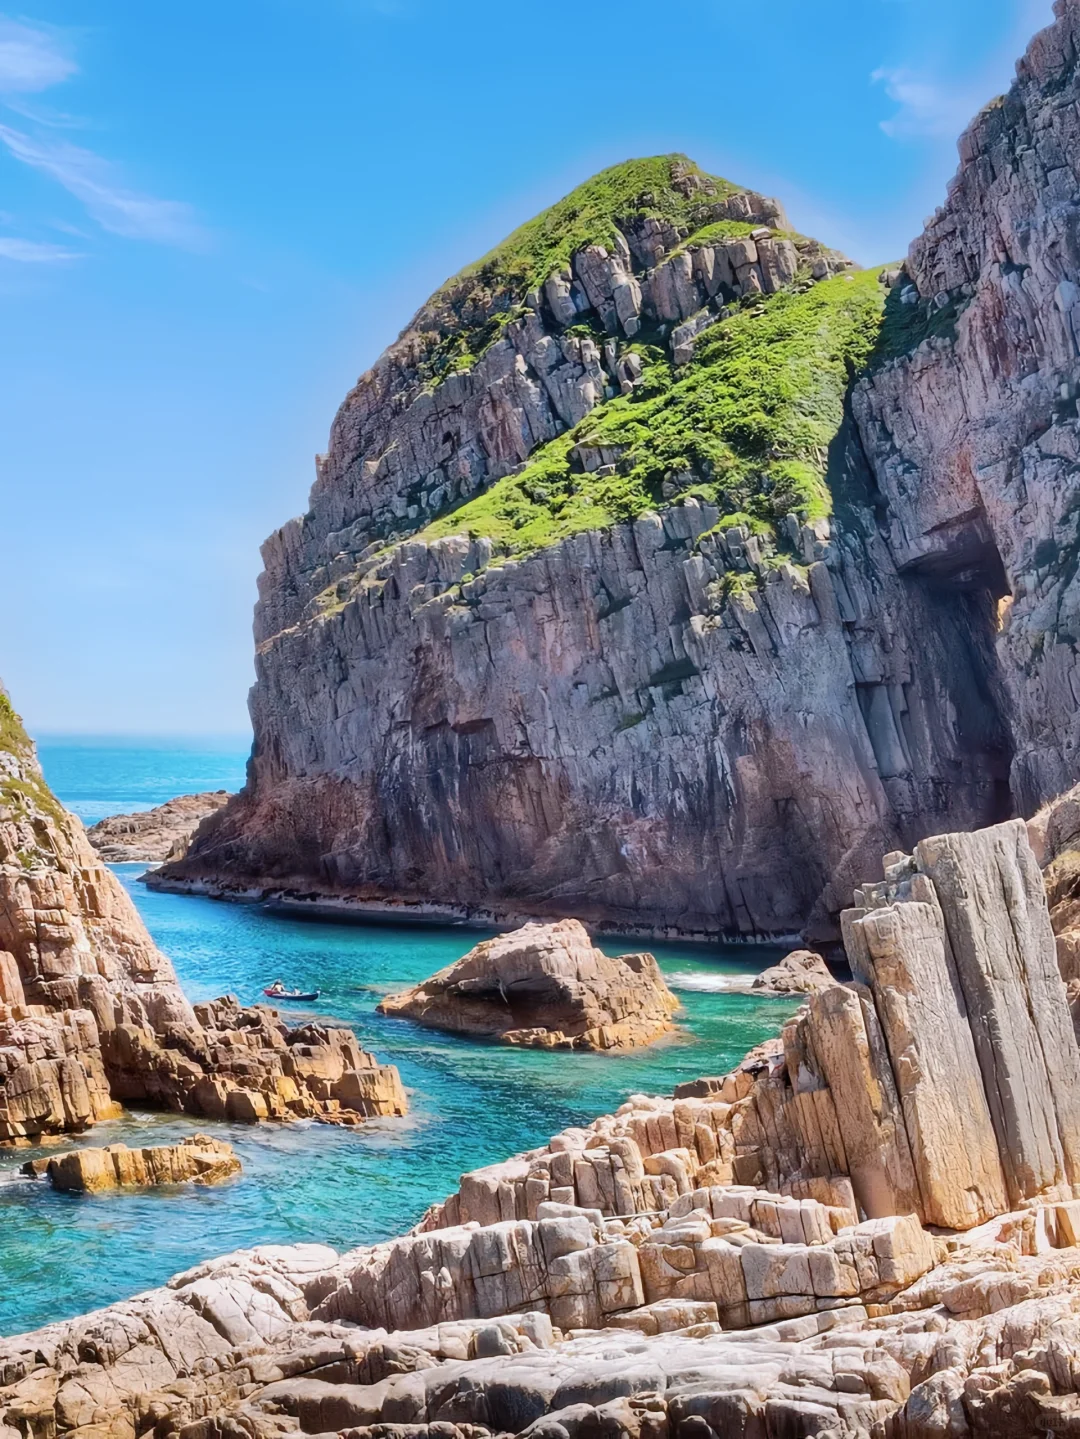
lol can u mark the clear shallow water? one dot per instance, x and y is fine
(471, 1103)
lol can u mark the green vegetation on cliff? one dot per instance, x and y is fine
(746, 425)
(25, 789)
(665, 186)
(466, 315)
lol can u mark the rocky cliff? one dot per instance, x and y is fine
(973, 436)
(868, 1230)
(665, 572)
(92, 1014)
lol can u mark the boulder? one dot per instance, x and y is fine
(801, 972)
(545, 986)
(197, 1160)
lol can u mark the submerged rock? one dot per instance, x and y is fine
(157, 834)
(801, 972)
(197, 1160)
(545, 986)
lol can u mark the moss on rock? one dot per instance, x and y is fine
(746, 425)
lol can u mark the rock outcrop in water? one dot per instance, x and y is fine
(153, 835)
(566, 628)
(870, 1228)
(801, 972)
(91, 1013)
(647, 678)
(545, 986)
(197, 1160)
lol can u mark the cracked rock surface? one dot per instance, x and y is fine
(871, 1227)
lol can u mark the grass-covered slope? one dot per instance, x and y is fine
(463, 317)
(747, 425)
(669, 187)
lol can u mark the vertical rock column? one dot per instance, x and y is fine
(845, 1035)
(904, 950)
(958, 954)
(994, 905)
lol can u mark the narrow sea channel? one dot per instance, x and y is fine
(471, 1103)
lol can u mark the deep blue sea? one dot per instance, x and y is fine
(471, 1103)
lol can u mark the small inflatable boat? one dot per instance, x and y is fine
(291, 994)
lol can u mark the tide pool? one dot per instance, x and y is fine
(471, 1103)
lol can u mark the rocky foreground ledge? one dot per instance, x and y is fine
(868, 1228)
(92, 1015)
(199, 1159)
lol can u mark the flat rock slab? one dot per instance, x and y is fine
(198, 1160)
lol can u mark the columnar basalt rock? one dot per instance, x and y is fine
(899, 1094)
(545, 986)
(91, 1012)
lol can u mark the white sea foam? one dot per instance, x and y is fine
(703, 983)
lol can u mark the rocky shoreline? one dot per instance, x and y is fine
(346, 905)
(155, 835)
(92, 1015)
(868, 1228)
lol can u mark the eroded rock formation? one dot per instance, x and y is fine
(196, 1160)
(91, 1012)
(153, 835)
(545, 986)
(674, 722)
(870, 1228)
(973, 435)
(801, 972)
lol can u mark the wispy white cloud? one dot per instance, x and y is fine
(34, 252)
(32, 58)
(933, 107)
(39, 114)
(97, 184)
(926, 107)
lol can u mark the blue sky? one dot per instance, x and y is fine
(214, 215)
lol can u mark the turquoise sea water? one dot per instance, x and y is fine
(471, 1103)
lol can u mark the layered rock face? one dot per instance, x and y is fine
(1055, 839)
(671, 717)
(153, 835)
(548, 987)
(198, 1160)
(91, 1012)
(973, 437)
(746, 1260)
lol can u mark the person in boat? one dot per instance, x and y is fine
(276, 988)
